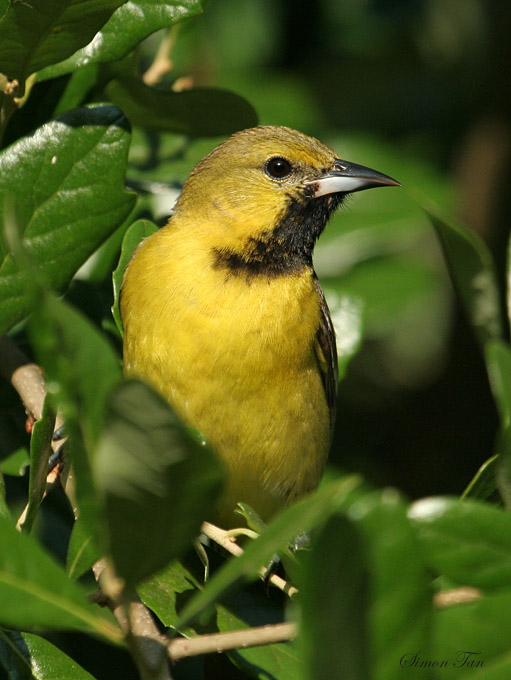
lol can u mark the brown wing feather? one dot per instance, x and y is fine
(326, 353)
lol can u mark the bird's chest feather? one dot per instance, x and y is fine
(260, 323)
(199, 325)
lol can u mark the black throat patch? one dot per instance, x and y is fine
(287, 248)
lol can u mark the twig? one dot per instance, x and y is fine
(162, 63)
(179, 648)
(8, 102)
(451, 598)
(148, 648)
(226, 541)
(26, 378)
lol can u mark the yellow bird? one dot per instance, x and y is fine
(224, 316)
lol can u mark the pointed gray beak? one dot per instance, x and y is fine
(346, 177)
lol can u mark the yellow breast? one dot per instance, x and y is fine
(235, 357)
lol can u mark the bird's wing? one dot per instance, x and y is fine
(326, 353)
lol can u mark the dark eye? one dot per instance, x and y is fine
(278, 167)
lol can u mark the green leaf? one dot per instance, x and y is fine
(4, 510)
(34, 35)
(25, 656)
(503, 467)
(162, 592)
(483, 485)
(386, 285)
(497, 669)
(498, 362)
(40, 450)
(35, 591)
(469, 542)
(473, 275)
(66, 182)
(334, 595)
(169, 590)
(483, 628)
(347, 314)
(16, 463)
(279, 660)
(399, 594)
(77, 87)
(201, 112)
(158, 483)
(81, 368)
(133, 236)
(129, 24)
(291, 522)
(82, 550)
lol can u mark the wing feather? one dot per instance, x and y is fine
(326, 353)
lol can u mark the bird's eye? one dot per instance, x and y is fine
(278, 167)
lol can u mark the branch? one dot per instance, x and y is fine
(26, 377)
(8, 102)
(451, 598)
(179, 648)
(162, 63)
(226, 541)
(148, 648)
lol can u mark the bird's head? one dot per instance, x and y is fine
(265, 195)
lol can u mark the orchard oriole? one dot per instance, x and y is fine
(224, 316)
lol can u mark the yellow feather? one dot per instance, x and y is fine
(223, 316)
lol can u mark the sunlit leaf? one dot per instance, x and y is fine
(30, 657)
(40, 451)
(133, 236)
(498, 361)
(34, 35)
(483, 485)
(66, 184)
(467, 541)
(130, 23)
(473, 275)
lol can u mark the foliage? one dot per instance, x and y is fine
(376, 586)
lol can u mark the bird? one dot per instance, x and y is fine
(224, 315)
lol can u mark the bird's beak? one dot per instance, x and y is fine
(346, 177)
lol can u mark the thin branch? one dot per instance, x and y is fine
(179, 648)
(162, 63)
(225, 540)
(8, 101)
(26, 377)
(148, 648)
(456, 596)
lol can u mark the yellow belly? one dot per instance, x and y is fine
(235, 358)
